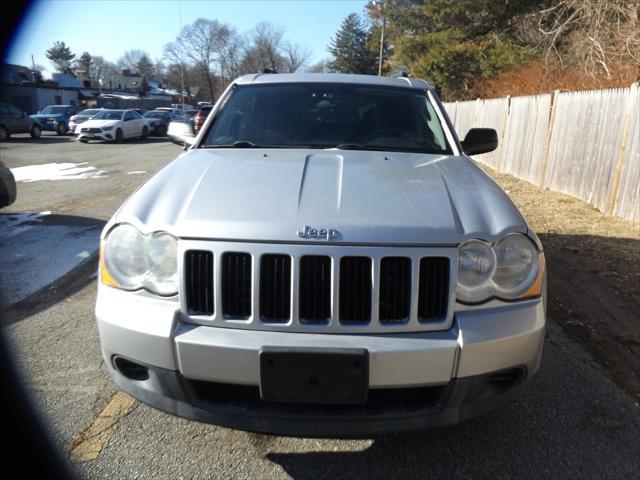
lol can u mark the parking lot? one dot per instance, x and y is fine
(572, 422)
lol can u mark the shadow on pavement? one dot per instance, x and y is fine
(44, 259)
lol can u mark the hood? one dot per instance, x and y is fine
(99, 123)
(368, 197)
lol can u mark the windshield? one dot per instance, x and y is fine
(329, 115)
(109, 115)
(89, 112)
(157, 114)
(55, 110)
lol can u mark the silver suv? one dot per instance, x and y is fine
(325, 260)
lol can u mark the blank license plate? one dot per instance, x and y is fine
(314, 375)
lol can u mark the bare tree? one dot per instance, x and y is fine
(596, 33)
(295, 57)
(203, 44)
(130, 59)
(101, 71)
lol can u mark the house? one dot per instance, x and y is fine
(27, 90)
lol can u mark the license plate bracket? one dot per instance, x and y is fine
(314, 375)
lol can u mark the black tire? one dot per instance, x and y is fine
(145, 133)
(4, 133)
(61, 129)
(36, 131)
(118, 136)
(83, 140)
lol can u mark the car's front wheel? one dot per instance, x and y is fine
(118, 136)
(145, 133)
(4, 133)
(61, 129)
(36, 131)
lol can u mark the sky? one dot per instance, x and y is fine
(108, 28)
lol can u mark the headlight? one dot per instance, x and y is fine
(510, 269)
(131, 260)
(107, 129)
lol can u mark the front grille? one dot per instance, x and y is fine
(395, 289)
(315, 289)
(308, 289)
(91, 130)
(236, 285)
(198, 272)
(433, 289)
(275, 288)
(355, 290)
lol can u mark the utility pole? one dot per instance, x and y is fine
(384, 21)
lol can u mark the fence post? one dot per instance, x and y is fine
(503, 132)
(552, 118)
(634, 91)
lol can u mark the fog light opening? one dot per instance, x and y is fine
(131, 370)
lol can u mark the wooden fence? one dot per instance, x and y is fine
(586, 144)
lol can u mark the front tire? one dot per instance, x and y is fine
(145, 133)
(4, 133)
(118, 136)
(61, 129)
(36, 131)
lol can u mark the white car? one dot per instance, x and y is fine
(81, 117)
(114, 126)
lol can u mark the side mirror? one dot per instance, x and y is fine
(480, 140)
(188, 141)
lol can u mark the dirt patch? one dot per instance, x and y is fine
(593, 263)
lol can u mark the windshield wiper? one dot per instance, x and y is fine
(238, 144)
(351, 146)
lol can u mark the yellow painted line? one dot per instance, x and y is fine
(87, 445)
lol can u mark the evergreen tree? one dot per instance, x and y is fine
(60, 55)
(351, 48)
(83, 67)
(145, 66)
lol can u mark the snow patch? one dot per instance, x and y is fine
(136, 172)
(57, 171)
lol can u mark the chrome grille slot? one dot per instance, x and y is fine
(355, 290)
(236, 285)
(315, 289)
(395, 289)
(275, 288)
(433, 290)
(198, 271)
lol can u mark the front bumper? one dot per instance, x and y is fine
(105, 136)
(456, 372)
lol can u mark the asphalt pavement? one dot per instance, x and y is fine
(572, 422)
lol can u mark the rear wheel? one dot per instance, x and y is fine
(145, 133)
(36, 131)
(118, 136)
(61, 129)
(4, 133)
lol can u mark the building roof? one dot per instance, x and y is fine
(10, 73)
(402, 82)
(66, 80)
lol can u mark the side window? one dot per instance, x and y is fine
(14, 111)
(128, 116)
(3, 109)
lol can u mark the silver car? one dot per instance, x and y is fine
(324, 260)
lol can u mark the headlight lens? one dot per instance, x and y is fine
(107, 129)
(510, 269)
(163, 263)
(131, 260)
(517, 265)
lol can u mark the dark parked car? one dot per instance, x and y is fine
(200, 117)
(55, 118)
(7, 186)
(158, 121)
(13, 120)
